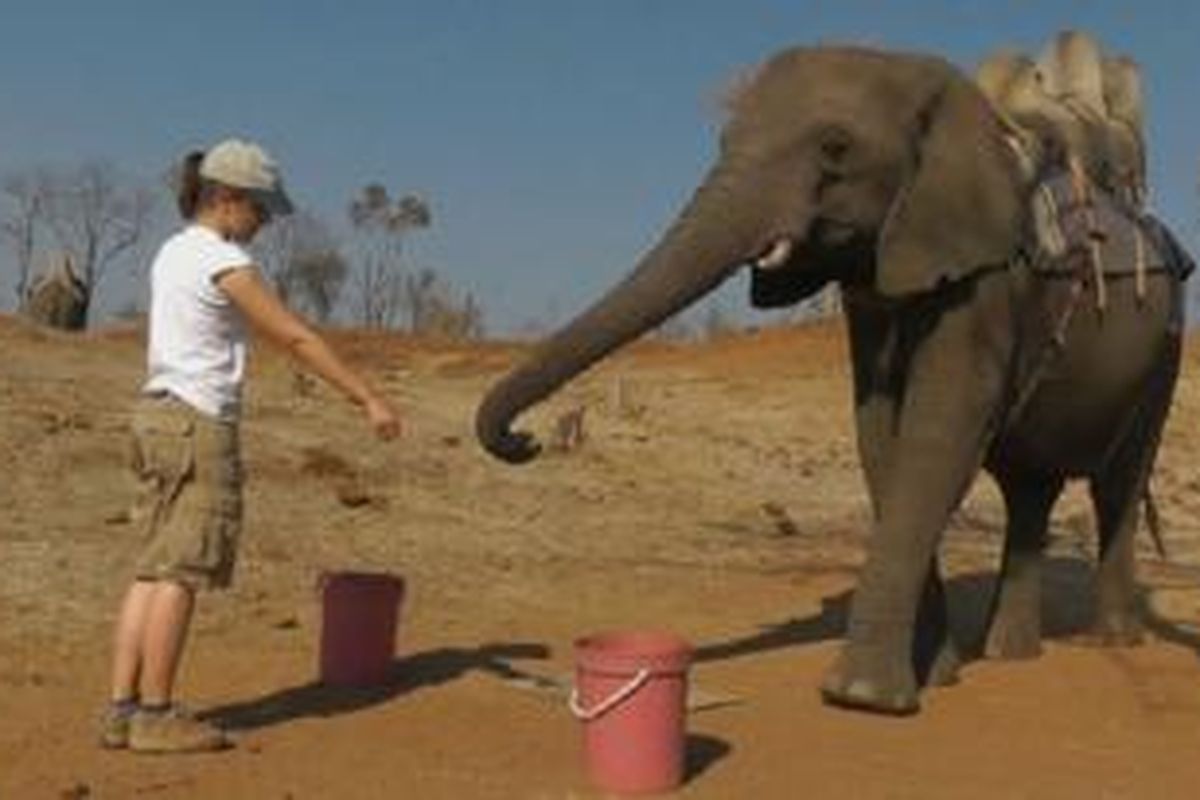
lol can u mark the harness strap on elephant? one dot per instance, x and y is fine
(1072, 216)
(1085, 235)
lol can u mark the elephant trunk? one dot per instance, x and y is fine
(706, 244)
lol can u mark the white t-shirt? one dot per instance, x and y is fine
(197, 336)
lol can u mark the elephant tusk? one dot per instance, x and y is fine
(776, 256)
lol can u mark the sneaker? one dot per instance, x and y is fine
(173, 730)
(114, 725)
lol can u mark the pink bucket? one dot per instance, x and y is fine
(631, 694)
(358, 627)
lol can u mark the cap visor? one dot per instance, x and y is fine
(276, 203)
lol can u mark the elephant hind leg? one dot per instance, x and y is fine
(1116, 496)
(1014, 627)
(1117, 492)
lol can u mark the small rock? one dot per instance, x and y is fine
(77, 792)
(784, 524)
(352, 495)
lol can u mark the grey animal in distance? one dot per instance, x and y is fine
(57, 297)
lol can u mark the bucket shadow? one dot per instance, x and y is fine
(1067, 602)
(829, 623)
(1165, 628)
(700, 753)
(409, 674)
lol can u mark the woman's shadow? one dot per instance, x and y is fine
(406, 675)
(416, 672)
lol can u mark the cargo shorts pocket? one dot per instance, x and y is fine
(162, 452)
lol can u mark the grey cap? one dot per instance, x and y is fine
(245, 165)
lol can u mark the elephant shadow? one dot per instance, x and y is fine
(1068, 599)
(407, 675)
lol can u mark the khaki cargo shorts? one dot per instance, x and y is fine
(189, 504)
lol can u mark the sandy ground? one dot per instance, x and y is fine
(716, 494)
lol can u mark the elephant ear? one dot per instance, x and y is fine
(961, 208)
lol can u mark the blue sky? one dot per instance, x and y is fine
(552, 138)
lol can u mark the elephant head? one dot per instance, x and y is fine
(883, 171)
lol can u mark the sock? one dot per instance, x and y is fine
(155, 708)
(126, 706)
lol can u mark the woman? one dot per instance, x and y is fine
(204, 289)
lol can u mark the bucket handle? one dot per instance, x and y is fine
(609, 703)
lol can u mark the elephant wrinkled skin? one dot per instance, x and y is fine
(890, 175)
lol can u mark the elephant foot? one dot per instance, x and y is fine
(946, 666)
(1013, 642)
(1115, 631)
(878, 684)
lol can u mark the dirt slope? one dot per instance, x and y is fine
(716, 493)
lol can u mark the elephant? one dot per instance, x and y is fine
(889, 174)
(58, 297)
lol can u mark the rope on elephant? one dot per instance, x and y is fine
(1082, 188)
(1139, 263)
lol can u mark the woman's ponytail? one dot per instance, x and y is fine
(187, 189)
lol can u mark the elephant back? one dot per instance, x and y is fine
(1077, 223)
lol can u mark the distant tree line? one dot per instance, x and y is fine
(68, 226)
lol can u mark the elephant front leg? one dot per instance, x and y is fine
(1115, 496)
(928, 392)
(935, 656)
(877, 668)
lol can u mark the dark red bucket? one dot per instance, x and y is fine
(359, 612)
(631, 695)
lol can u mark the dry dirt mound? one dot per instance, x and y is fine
(715, 490)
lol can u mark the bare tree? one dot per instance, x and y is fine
(93, 215)
(382, 228)
(316, 276)
(302, 259)
(433, 308)
(19, 225)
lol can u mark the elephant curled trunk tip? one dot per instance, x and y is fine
(493, 429)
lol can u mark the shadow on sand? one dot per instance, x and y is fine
(422, 671)
(1067, 601)
(1068, 597)
(407, 675)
